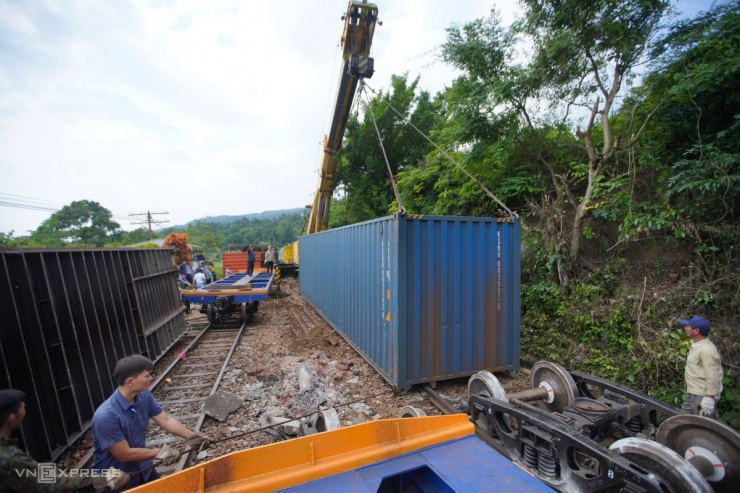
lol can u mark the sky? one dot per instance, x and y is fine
(194, 108)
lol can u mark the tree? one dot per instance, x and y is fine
(206, 236)
(180, 243)
(582, 52)
(125, 238)
(687, 192)
(362, 170)
(83, 223)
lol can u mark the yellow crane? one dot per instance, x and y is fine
(357, 37)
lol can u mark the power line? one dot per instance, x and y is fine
(29, 198)
(20, 205)
(30, 205)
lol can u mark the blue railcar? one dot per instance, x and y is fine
(237, 294)
(422, 298)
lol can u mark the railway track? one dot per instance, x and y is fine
(194, 374)
(444, 405)
(191, 378)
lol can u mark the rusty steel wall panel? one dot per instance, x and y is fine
(69, 315)
(422, 298)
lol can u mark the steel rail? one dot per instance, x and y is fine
(443, 405)
(86, 459)
(168, 371)
(189, 450)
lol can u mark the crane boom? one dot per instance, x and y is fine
(359, 27)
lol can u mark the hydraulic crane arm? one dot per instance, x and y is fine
(359, 27)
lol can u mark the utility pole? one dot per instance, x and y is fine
(149, 220)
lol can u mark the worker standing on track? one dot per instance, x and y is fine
(703, 373)
(119, 424)
(250, 260)
(14, 463)
(269, 259)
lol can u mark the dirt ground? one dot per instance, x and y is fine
(264, 374)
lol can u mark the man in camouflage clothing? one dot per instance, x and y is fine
(20, 473)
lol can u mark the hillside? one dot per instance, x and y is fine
(254, 215)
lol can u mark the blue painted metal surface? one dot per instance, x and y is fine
(422, 298)
(462, 465)
(255, 290)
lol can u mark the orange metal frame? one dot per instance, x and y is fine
(297, 461)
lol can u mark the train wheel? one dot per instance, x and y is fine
(485, 384)
(670, 469)
(563, 386)
(704, 440)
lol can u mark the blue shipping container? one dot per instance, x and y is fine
(421, 298)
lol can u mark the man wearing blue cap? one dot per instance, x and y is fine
(703, 373)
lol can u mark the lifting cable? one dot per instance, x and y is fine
(401, 208)
(460, 167)
(263, 428)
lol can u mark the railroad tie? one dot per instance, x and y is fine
(313, 317)
(183, 401)
(299, 320)
(202, 374)
(188, 387)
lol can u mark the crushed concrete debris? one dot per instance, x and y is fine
(263, 374)
(221, 404)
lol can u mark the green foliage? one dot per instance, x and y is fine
(8, 241)
(82, 223)
(214, 238)
(707, 183)
(126, 238)
(729, 404)
(362, 170)
(207, 237)
(598, 329)
(579, 54)
(649, 187)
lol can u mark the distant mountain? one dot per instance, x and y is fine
(256, 215)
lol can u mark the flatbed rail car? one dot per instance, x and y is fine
(437, 453)
(237, 294)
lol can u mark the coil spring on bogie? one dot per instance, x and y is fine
(547, 467)
(530, 456)
(634, 425)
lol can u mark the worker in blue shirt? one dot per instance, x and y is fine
(119, 425)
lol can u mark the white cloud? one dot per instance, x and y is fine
(197, 108)
(15, 21)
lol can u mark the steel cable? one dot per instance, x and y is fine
(401, 208)
(263, 428)
(460, 166)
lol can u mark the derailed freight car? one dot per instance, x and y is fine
(422, 298)
(68, 316)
